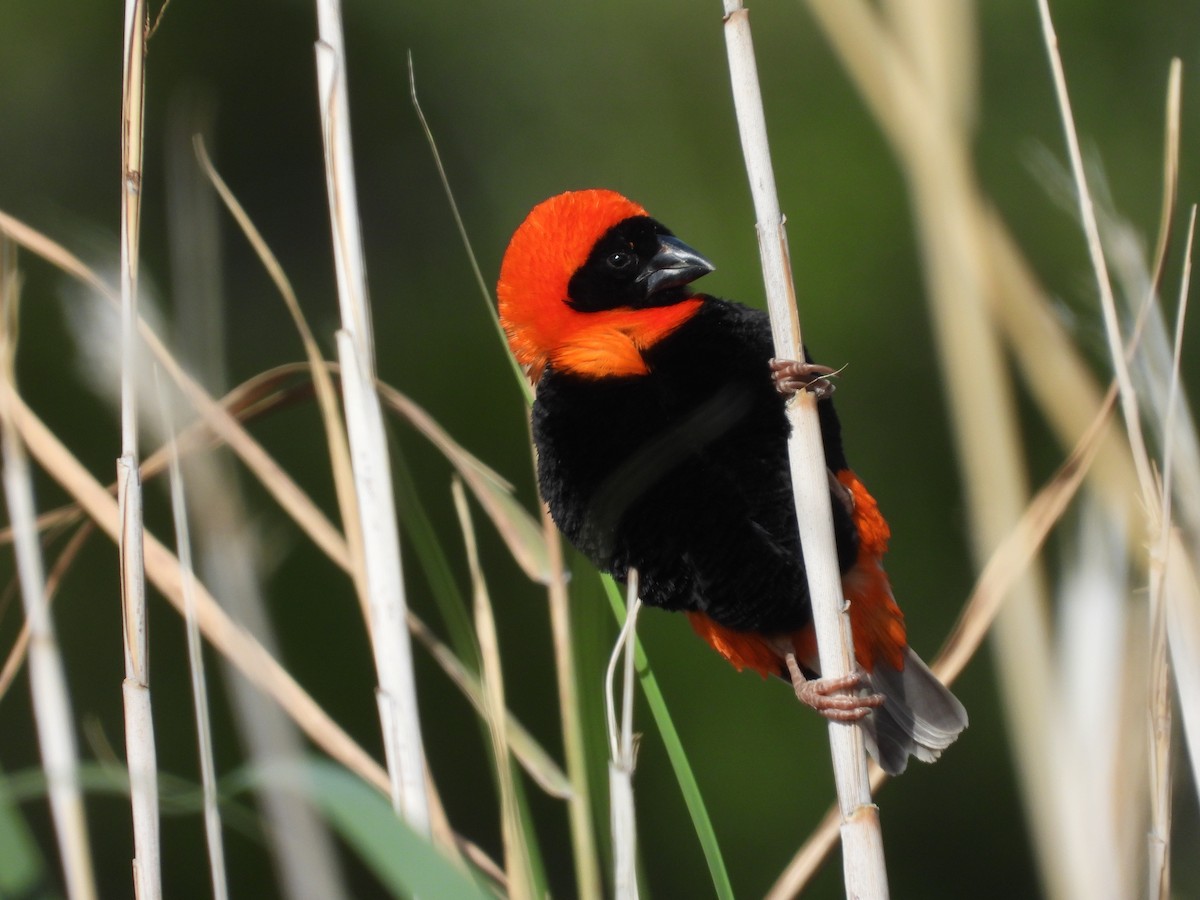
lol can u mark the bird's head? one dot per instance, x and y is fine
(589, 280)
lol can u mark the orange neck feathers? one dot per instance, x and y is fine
(542, 328)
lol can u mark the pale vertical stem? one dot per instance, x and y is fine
(47, 680)
(397, 694)
(208, 768)
(579, 805)
(862, 841)
(621, 761)
(139, 722)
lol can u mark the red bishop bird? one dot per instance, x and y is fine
(662, 446)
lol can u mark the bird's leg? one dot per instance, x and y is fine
(834, 698)
(841, 493)
(791, 376)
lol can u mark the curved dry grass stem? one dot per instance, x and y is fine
(622, 758)
(862, 841)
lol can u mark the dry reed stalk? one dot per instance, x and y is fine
(1108, 307)
(517, 865)
(139, 721)
(621, 748)
(47, 679)
(397, 693)
(208, 768)
(862, 840)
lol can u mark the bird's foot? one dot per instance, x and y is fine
(834, 698)
(791, 376)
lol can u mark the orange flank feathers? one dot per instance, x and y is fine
(875, 619)
(542, 327)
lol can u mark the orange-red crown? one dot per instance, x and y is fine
(555, 239)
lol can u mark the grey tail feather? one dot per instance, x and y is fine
(920, 717)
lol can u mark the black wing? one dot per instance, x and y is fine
(683, 473)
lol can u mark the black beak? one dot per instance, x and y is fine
(675, 264)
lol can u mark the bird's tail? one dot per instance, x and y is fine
(920, 717)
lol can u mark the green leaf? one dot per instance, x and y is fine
(404, 862)
(22, 868)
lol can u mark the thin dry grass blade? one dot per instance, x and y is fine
(1160, 675)
(517, 866)
(208, 769)
(1183, 634)
(489, 304)
(520, 531)
(583, 835)
(1166, 218)
(1108, 306)
(331, 417)
(540, 766)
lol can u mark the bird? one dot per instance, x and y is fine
(661, 433)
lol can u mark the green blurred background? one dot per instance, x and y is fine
(529, 99)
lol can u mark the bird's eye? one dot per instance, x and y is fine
(620, 260)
